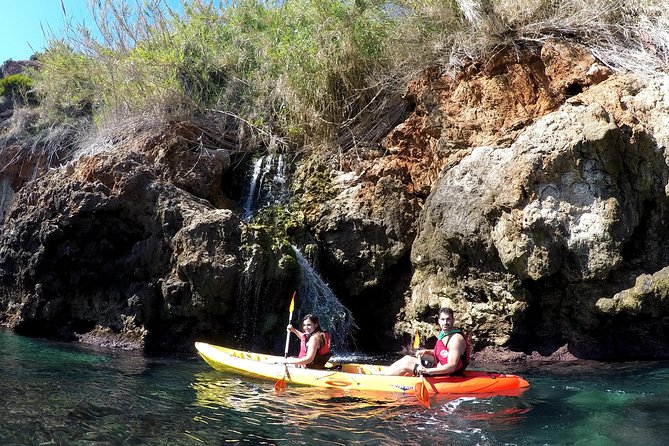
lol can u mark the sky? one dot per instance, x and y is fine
(22, 23)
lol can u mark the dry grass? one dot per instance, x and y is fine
(624, 35)
(25, 140)
(209, 129)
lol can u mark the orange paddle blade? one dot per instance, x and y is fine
(416, 341)
(280, 385)
(292, 302)
(422, 394)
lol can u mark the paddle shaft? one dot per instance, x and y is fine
(421, 391)
(290, 318)
(285, 353)
(280, 385)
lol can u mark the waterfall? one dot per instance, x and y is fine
(251, 190)
(268, 184)
(280, 191)
(315, 296)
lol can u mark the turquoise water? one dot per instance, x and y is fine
(54, 394)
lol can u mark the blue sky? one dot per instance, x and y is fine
(21, 23)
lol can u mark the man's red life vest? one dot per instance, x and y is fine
(441, 351)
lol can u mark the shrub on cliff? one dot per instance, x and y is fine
(16, 87)
(296, 68)
(312, 70)
(627, 35)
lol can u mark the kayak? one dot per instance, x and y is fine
(356, 376)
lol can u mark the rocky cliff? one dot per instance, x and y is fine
(528, 192)
(541, 179)
(126, 248)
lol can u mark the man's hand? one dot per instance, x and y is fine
(423, 371)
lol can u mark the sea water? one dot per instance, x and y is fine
(68, 394)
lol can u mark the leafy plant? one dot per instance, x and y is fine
(16, 87)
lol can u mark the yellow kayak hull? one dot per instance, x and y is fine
(355, 376)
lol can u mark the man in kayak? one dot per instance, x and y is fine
(314, 344)
(451, 354)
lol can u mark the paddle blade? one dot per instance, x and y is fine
(422, 394)
(292, 302)
(416, 341)
(280, 385)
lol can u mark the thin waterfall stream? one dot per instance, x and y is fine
(319, 299)
(6, 196)
(269, 186)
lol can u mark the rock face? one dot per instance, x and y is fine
(542, 182)
(531, 242)
(364, 232)
(125, 248)
(530, 193)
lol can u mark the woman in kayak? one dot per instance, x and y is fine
(314, 344)
(449, 357)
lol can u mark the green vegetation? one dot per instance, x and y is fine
(16, 87)
(271, 239)
(284, 223)
(313, 71)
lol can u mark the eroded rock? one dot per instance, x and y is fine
(125, 248)
(527, 237)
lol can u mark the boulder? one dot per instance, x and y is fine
(524, 240)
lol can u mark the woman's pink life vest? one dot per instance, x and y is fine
(441, 351)
(322, 354)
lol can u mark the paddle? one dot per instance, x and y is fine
(420, 389)
(280, 385)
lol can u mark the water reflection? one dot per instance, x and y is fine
(306, 415)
